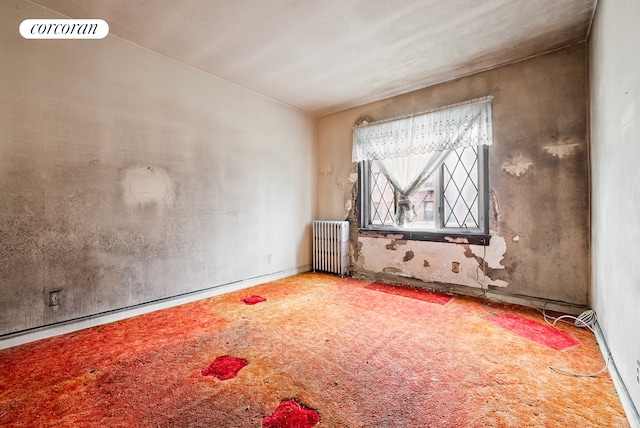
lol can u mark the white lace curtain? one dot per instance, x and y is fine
(410, 149)
(460, 125)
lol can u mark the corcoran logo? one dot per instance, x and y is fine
(64, 29)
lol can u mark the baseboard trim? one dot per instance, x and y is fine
(625, 398)
(516, 299)
(64, 327)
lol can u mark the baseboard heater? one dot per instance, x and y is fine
(331, 246)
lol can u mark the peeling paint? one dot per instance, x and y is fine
(492, 254)
(494, 204)
(518, 164)
(437, 257)
(490, 275)
(375, 234)
(352, 218)
(455, 267)
(355, 250)
(561, 150)
(459, 240)
(393, 245)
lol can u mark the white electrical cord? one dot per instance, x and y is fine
(483, 295)
(606, 366)
(585, 319)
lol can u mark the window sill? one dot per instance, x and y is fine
(420, 235)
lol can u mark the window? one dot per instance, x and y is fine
(425, 176)
(452, 199)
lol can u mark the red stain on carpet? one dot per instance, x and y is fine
(290, 414)
(413, 293)
(253, 300)
(541, 333)
(224, 367)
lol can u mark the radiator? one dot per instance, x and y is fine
(331, 246)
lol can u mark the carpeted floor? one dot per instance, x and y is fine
(313, 350)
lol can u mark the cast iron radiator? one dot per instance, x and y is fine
(331, 246)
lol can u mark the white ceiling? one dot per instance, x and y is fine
(322, 56)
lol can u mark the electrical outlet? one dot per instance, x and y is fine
(54, 298)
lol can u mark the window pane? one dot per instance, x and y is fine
(461, 182)
(382, 198)
(449, 199)
(423, 201)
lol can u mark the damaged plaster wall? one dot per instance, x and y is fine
(439, 262)
(538, 177)
(126, 177)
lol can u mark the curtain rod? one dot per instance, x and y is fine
(406, 116)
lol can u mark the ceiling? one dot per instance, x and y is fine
(322, 56)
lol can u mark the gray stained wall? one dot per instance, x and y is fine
(538, 175)
(127, 177)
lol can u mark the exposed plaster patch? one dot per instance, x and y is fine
(374, 234)
(518, 164)
(431, 261)
(561, 150)
(459, 240)
(492, 254)
(516, 238)
(497, 283)
(393, 245)
(147, 185)
(408, 256)
(489, 276)
(493, 203)
(356, 250)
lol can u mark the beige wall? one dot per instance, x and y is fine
(615, 154)
(127, 177)
(538, 172)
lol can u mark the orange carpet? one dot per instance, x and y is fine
(312, 350)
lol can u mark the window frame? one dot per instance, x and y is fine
(478, 236)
